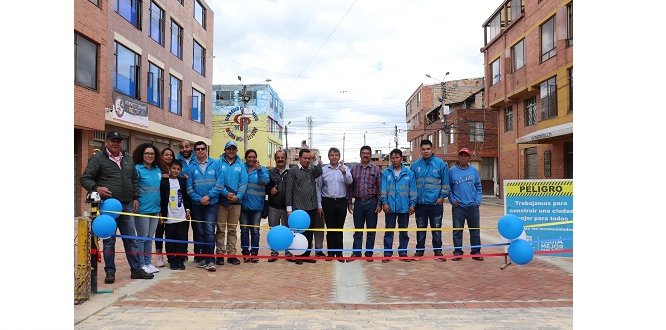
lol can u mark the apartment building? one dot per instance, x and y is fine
(143, 68)
(528, 51)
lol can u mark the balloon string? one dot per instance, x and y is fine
(348, 229)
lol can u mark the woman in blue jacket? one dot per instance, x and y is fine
(148, 169)
(252, 205)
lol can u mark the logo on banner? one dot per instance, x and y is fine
(235, 115)
(130, 110)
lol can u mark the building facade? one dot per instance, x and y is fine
(143, 68)
(463, 122)
(264, 116)
(528, 55)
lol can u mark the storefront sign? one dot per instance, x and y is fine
(130, 110)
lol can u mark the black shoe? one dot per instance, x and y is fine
(110, 277)
(219, 261)
(173, 266)
(478, 258)
(181, 266)
(405, 260)
(273, 254)
(312, 261)
(233, 261)
(385, 261)
(320, 254)
(141, 274)
(417, 256)
(369, 260)
(439, 254)
(457, 257)
(298, 262)
(254, 260)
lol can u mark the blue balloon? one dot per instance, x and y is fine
(113, 205)
(510, 226)
(299, 221)
(521, 252)
(104, 226)
(279, 238)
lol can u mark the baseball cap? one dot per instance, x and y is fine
(465, 151)
(230, 144)
(112, 135)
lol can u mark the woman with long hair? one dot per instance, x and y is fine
(148, 169)
(252, 205)
(167, 159)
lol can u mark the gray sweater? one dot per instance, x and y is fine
(301, 187)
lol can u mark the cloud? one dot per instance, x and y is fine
(352, 70)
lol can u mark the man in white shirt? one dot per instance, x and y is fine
(332, 200)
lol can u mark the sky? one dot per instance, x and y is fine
(350, 64)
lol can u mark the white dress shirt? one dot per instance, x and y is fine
(332, 184)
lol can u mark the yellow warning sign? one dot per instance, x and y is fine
(540, 188)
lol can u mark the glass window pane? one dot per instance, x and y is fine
(86, 62)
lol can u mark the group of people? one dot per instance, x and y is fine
(163, 192)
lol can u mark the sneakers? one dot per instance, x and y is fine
(110, 278)
(233, 261)
(160, 259)
(439, 254)
(210, 267)
(201, 264)
(141, 274)
(153, 269)
(149, 269)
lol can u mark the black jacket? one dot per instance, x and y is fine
(164, 195)
(103, 172)
(278, 181)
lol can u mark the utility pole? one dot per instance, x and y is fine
(286, 140)
(396, 136)
(308, 119)
(343, 147)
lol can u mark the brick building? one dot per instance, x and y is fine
(143, 68)
(464, 122)
(528, 55)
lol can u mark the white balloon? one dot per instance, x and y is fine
(299, 245)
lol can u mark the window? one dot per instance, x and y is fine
(495, 71)
(85, 62)
(515, 9)
(156, 23)
(418, 98)
(452, 134)
(176, 40)
(198, 102)
(546, 164)
(130, 10)
(549, 99)
(530, 163)
(155, 83)
(570, 24)
(200, 13)
(199, 58)
(518, 55)
(493, 28)
(96, 2)
(476, 131)
(175, 90)
(530, 111)
(508, 119)
(126, 77)
(548, 49)
(570, 90)
(442, 138)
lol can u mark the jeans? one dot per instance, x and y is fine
(208, 214)
(364, 214)
(425, 212)
(403, 222)
(125, 224)
(473, 216)
(277, 217)
(159, 233)
(145, 227)
(253, 218)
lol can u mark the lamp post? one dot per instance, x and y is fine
(246, 98)
(366, 132)
(286, 140)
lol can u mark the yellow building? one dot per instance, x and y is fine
(264, 114)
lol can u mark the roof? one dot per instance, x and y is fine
(458, 91)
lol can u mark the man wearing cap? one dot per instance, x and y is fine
(229, 209)
(432, 186)
(465, 197)
(111, 173)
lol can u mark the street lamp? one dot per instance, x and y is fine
(286, 140)
(366, 132)
(246, 98)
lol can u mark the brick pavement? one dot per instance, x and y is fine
(467, 287)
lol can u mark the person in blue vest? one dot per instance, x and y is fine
(252, 205)
(432, 186)
(204, 184)
(398, 197)
(186, 157)
(465, 198)
(229, 209)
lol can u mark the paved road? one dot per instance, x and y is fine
(423, 294)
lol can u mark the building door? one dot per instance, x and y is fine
(568, 160)
(531, 163)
